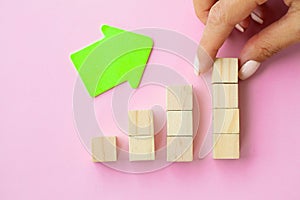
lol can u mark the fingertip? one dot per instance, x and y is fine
(257, 14)
(196, 66)
(243, 25)
(203, 62)
(248, 69)
(256, 18)
(239, 28)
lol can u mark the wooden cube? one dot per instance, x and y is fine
(226, 121)
(141, 148)
(180, 97)
(140, 122)
(180, 123)
(226, 146)
(104, 149)
(225, 70)
(179, 149)
(225, 95)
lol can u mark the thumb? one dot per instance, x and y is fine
(269, 41)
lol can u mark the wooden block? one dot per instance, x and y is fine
(104, 149)
(225, 70)
(180, 97)
(226, 146)
(140, 122)
(225, 95)
(179, 149)
(180, 123)
(141, 148)
(226, 121)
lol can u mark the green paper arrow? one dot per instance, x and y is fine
(120, 56)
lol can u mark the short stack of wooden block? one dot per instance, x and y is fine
(104, 149)
(226, 112)
(180, 123)
(141, 135)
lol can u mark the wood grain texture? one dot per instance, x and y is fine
(226, 146)
(104, 149)
(140, 122)
(225, 95)
(226, 121)
(141, 148)
(179, 149)
(225, 70)
(180, 97)
(180, 123)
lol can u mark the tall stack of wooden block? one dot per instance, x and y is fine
(225, 109)
(141, 135)
(180, 123)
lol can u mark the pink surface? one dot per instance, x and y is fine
(41, 154)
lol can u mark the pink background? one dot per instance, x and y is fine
(40, 152)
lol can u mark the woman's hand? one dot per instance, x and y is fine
(221, 17)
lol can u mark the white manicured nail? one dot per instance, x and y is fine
(240, 28)
(248, 69)
(256, 18)
(196, 66)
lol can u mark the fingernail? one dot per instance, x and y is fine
(256, 18)
(240, 28)
(196, 66)
(203, 62)
(248, 69)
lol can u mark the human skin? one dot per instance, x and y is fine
(221, 17)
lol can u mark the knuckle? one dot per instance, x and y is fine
(292, 18)
(216, 15)
(266, 49)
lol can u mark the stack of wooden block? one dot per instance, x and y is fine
(180, 123)
(225, 109)
(141, 135)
